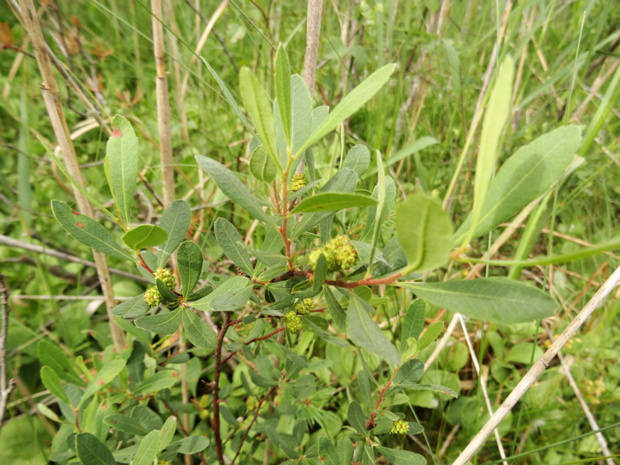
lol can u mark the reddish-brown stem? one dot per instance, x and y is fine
(279, 330)
(364, 282)
(144, 265)
(247, 431)
(371, 422)
(176, 415)
(216, 391)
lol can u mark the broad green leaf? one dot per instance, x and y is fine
(525, 176)
(356, 418)
(159, 381)
(499, 300)
(88, 231)
(285, 443)
(48, 412)
(122, 161)
(126, 424)
(522, 353)
(167, 432)
(52, 382)
(144, 236)
(283, 90)
(365, 332)
(164, 323)
(175, 221)
(327, 450)
(424, 231)
(345, 450)
(198, 332)
(189, 263)
(350, 104)
(401, 457)
(231, 243)
(320, 273)
(357, 159)
(410, 373)
(329, 201)
(335, 310)
(233, 188)
(231, 295)
(91, 451)
(262, 166)
(431, 333)
(258, 106)
(301, 112)
(495, 118)
(148, 449)
(308, 322)
(53, 356)
(132, 308)
(413, 322)
(167, 295)
(105, 375)
(190, 445)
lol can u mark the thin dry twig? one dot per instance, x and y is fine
(5, 386)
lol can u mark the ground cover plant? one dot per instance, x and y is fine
(345, 234)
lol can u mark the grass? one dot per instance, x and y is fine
(567, 72)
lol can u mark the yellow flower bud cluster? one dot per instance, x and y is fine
(339, 252)
(298, 182)
(152, 296)
(305, 306)
(400, 427)
(292, 321)
(165, 275)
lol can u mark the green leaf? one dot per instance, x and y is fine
(525, 176)
(431, 333)
(52, 382)
(492, 126)
(365, 332)
(329, 201)
(308, 322)
(198, 332)
(413, 322)
(381, 195)
(233, 188)
(356, 418)
(167, 432)
(327, 450)
(231, 295)
(53, 356)
(345, 450)
(231, 243)
(159, 381)
(320, 273)
(175, 221)
(357, 159)
(148, 449)
(88, 231)
(144, 236)
(301, 113)
(410, 373)
(424, 231)
(105, 375)
(258, 106)
(350, 104)
(407, 151)
(335, 310)
(190, 445)
(126, 424)
(166, 293)
(262, 166)
(123, 163)
(132, 308)
(189, 263)
(283, 90)
(91, 451)
(499, 300)
(401, 457)
(164, 323)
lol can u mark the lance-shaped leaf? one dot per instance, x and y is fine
(159, 381)
(175, 221)
(365, 332)
(233, 188)
(327, 450)
(53, 356)
(189, 262)
(357, 159)
(163, 323)
(132, 308)
(144, 236)
(231, 295)
(401, 457)
(231, 243)
(424, 231)
(301, 112)
(258, 106)
(499, 300)
(350, 104)
(148, 449)
(122, 163)
(198, 332)
(355, 415)
(52, 382)
(330, 201)
(106, 374)
(91, 451)
(88, 231)
(283, 90)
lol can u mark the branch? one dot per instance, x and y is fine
(216, 391)
(5, 388)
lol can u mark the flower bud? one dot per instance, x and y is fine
(166, 276)
(400, 427)
(152, 296)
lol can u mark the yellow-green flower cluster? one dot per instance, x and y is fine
(152, 296)
(305, 306)
(292, 321)
(165, 275)
(339, 252)
(400, 427)
(298, 182)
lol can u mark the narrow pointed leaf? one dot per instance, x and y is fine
(355, 415)
(132, 308)
(231, 295)
(148, 449)
(91, 451)
(428, 336)
(301, 112)
(126, 424)
(163, 323)
(175, 221)
(88, 231)
(189, 262)
(328, 450)
(283, 90)
(365, 332)
(413, 322)
(198, 332)
(231, 243)
(52, 382)
(106, 374)
(329, 201)
(144, 236)
(52, 355)
(122, 155)
(159, 381)
(499, 300)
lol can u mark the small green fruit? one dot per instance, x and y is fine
(166, 276)
(400, 427)
(152, 296)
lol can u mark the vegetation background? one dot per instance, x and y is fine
(567, 71)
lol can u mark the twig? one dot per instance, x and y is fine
(538, 368)
(5, 387)
(216, 391)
